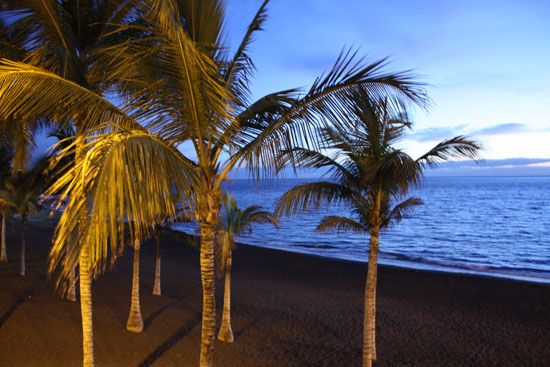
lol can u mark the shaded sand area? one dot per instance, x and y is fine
(288, 310)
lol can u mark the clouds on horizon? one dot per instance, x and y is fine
(439, 133)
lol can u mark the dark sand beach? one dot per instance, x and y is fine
(288, 310)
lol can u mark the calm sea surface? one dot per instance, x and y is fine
(496, 226)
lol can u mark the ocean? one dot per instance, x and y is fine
(494, 226)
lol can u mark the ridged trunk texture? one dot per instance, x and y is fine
(71, 293)
(4, 255)
(86, 306)
(369, 322)
(208, 295)
(156, 287)
(22, 266)
(135, 321)
(226, 333)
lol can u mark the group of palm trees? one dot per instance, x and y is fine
(135, 79)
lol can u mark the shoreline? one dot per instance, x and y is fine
(403, 264)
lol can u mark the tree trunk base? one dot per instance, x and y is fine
(226, 334)
(156, 289)
(135, 322)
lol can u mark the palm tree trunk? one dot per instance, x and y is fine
(85, 266)
(226, 334)
(86, 306)
(135, 321)
(4, 255)
(156, 287)
(369, 323)
(208, 327)
(23, 233)
(71, 294)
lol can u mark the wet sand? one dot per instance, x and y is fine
(288, 310)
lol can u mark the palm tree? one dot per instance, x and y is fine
(234, 222)
(221, 119)
(372, 177)
(23, 193)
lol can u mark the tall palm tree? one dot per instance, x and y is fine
(372, 177)
(22, 193)
(222, 126)
(234, 222)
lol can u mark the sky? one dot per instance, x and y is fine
(485, 62)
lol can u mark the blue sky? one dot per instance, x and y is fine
(486, 62)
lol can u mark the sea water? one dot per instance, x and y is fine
(496, 226)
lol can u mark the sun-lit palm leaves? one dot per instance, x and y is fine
(129, 177)
(30, 93)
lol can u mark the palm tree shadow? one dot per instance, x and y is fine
(247, 326)
(171, 341)
(147, 322)
(5, 317)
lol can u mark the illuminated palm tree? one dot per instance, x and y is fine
(22, 193)
(222, 126)
(372, 177)
(233, 222)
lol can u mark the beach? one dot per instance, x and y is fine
(288, 310)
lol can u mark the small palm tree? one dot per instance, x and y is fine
(22, 193)
(372, 177)
(233, 222)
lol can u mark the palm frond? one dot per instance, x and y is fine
(457, 147)
(191, 79)
(241, 67)
(310, 196)
(30, 93)
(401, 211)
(329, 102)
(126, 179)
(340, 224)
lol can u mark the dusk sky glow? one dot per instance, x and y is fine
(486, 62)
